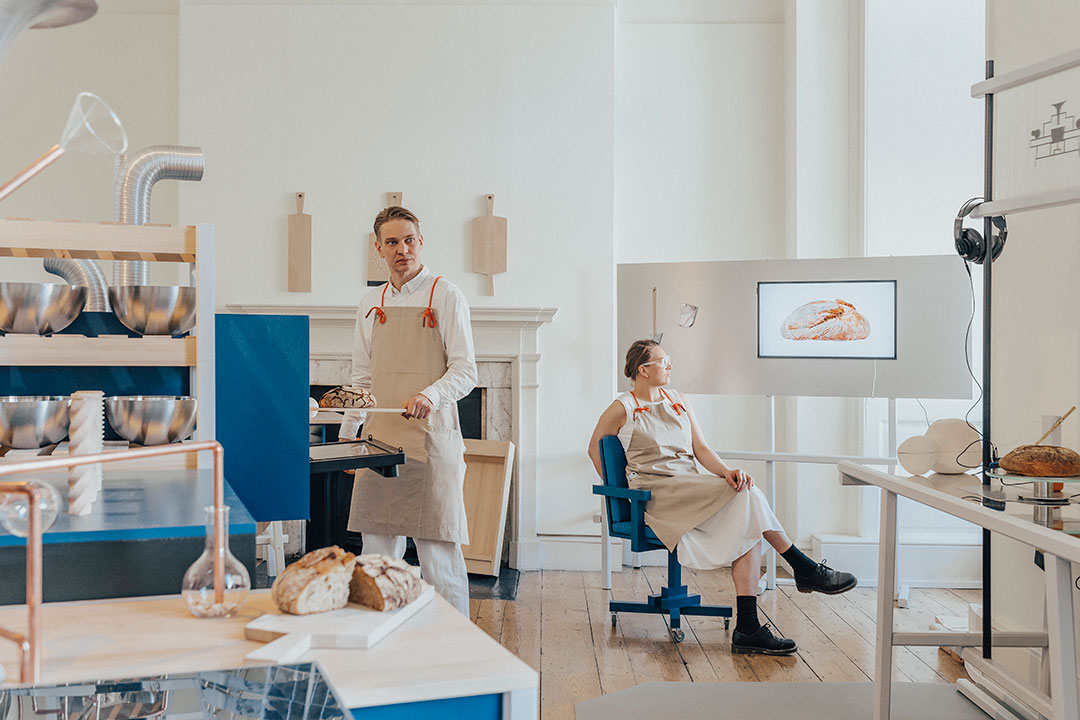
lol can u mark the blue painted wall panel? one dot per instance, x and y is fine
(473, 707)
(262, 411)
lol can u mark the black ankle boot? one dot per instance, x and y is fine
(762, 641)
(824, 579)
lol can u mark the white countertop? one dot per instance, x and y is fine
(436, 654)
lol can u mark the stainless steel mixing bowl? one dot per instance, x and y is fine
(39, 308)
(154, 309)
(33, 421)
(151, 419)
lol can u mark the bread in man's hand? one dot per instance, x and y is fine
(1042, 461)
(383, 583)
(347, 396)
(317, 582)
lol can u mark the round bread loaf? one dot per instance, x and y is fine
(382, 583)
(317, 582)
(347, 396)
(1042, 461)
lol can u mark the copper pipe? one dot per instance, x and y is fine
(30, 647)
(30, 171)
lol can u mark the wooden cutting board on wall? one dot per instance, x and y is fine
(299, 248)
(489, 244)
(377, 272)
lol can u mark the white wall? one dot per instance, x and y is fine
(445, 103)
(127, 54)
(1035, 297)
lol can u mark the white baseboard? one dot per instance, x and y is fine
(525, 556)
(948, 563)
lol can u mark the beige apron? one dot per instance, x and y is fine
(660, 458)
(426, 499)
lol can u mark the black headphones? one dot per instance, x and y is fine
(969, 242)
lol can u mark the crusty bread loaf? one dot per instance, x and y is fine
(383, 583)
(317, 582)
(1042, 461)
(347, 396)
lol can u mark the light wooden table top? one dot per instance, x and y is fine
(436, 654)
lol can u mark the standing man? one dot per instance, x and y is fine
(413, 347)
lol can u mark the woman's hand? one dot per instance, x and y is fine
(739, 480)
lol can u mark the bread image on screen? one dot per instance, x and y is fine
(382, 583)
(317, 582)
(347, 396)
(825, 320)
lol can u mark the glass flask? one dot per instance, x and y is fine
(198, 586)
(15, 509)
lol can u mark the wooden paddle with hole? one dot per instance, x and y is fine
(299, 248)
(377, 272)
(489, 244)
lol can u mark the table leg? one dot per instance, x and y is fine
(605, 545)
(1061, 627)
(886, 587)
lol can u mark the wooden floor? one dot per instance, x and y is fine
(560, 625)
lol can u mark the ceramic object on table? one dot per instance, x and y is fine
(918, 454)
(959, 445)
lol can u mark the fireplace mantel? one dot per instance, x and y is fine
(500, 334)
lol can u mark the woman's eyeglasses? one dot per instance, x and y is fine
(664, 362)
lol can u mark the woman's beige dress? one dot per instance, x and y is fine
(711, 524)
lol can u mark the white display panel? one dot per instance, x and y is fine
(718, 352)
(832, 319)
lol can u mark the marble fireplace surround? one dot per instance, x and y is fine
(507, 356)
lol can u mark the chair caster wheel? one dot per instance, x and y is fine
(727, 623)
(678, 636)
(614, 619)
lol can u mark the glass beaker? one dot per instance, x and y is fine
(198, 587)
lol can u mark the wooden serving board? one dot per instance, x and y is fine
(299, 248)
(489, 244)
(352, 627)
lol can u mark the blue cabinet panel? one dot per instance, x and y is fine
(472, 707)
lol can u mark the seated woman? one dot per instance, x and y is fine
(715, 519)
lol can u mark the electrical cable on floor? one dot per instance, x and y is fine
(873, 384)
(925, 414)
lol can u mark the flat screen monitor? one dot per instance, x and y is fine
(827, 319)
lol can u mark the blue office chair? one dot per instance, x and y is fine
(626, 519)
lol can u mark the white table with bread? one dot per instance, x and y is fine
(434, 656)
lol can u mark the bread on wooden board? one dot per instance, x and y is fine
(317, 582)
(382, 583)
(1042, 461)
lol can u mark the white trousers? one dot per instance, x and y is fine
(441, 564)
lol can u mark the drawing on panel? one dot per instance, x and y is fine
(1057, 136)
(687, 315)
(829, 319)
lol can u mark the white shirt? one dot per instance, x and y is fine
(455, 330)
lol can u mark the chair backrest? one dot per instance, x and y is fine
(613, 463)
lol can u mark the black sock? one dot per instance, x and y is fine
(799, 561)
(746, 619)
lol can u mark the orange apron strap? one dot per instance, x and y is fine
(378, 309)
(677, 407)
(429, 316)
(639, 408)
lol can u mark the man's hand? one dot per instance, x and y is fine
(418, 406)
(739, 480)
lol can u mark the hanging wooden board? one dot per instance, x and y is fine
(489, 244)
(299, 248)
(378, 272)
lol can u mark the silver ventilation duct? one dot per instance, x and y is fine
(135, 179)
(83, 272)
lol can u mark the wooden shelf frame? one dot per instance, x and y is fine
(117, 241)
